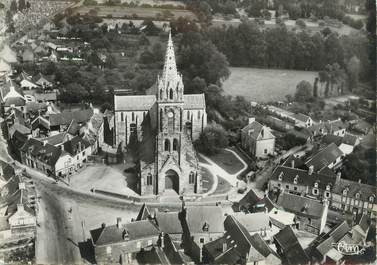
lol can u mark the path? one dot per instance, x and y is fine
(217, 171)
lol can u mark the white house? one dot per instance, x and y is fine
(257, 139)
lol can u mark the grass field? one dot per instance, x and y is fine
(263, 85)
(228, 161)
(140, 12)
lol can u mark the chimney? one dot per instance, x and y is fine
(251, 120)
(162, 238)
(44, 142)
(225, 246)
(338, 175)
(359, 181)
(293, 162)
(103, 225)
(119, 222)
(311, 170)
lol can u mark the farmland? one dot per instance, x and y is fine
(264, 85)
(135, 12)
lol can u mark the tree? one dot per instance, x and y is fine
(158, 52)
(304, 91)
(111, 61)
(74, 93)
(353, 70)
(301, 23)
(8, 18)
(21, 5)
(150, 28)
(212, 139)
(13, 6)
(143, 40)
(315, 87)
(28, 5)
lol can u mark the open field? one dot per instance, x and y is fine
(265, 85)
(137, 12)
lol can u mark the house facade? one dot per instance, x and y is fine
(257, 139)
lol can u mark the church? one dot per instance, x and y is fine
(164, 123)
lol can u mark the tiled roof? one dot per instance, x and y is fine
(47, 153)
(194, 101)
(324, 157)
(253, 129)
(364, 190)
(73, 146)
(301, 117)
(349, 139)
(114, 234)
(253, 222)
(300, 205)
(20, 128)
(288, 174)
(65, 118)
(169, 222)
(14, 101)
(291, 248)
(45, 96)
(198, 216)
(134, 103)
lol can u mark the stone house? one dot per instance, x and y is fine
(119, 243)
(302, 120)
(257, 139)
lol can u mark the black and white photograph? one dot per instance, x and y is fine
(188, 132)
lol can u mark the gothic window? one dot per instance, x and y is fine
(192, 178)
(161, 120)
(149, 179)
(175, 144)
(180, 120)
(371, 199)
(199, 115)
(171, 93)
(188, 114)
(121, 116)
(167, 145)
(161, 93)
(171, 122)
(133, 116)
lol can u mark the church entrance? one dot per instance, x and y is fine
(172, 180)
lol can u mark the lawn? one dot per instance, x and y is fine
(223, 186)
(263, 85)
(228, 161)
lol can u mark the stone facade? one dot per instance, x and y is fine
(165, 123)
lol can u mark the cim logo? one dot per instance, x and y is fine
(349, 249)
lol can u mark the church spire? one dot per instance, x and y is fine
(170, 66)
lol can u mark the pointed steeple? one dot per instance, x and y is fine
(170, 66)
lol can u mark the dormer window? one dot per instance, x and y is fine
(316, 185)
(357, 195)
(371, 199)
(295, 180)
(205, 227)
(345, 192)
(328, 187)
(281, 176)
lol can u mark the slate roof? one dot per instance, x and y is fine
(349, 139)
(251, 198)
(47, 153)
(66, 117)
(324, 157)
(169, 222)
(114, 234)
(300, 205)
(56, 139)
(73, 127)
(198, 216)
(17, 102)
(292, 250)
(253, 129)
(72, 146)
(365, 191)
(40, 121)
(301, 117)
(288, 174)
(45, 96)
(194, 101)
(20, 128)
(134, 103)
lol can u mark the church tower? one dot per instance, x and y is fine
(170, 110)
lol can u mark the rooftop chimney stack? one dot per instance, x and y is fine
(311, 170)
(225, 246)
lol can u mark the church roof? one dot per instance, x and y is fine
(8, 55)
(134, 103)
(194, 101)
